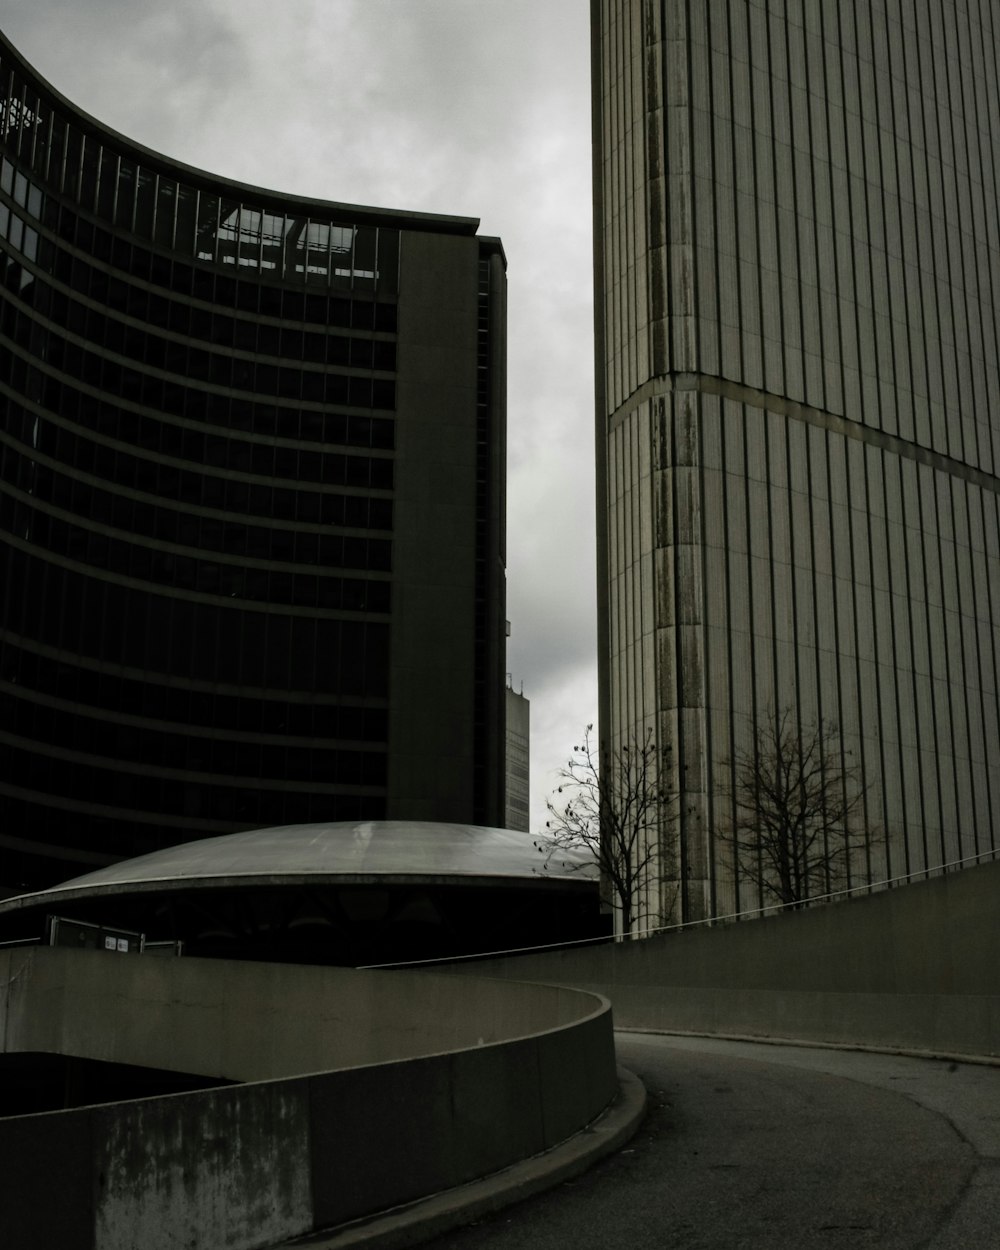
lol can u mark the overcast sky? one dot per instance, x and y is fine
(474, 107)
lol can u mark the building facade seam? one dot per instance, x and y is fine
(835, 423)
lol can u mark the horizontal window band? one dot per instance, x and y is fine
(202, 554)
(144, 677)
(199, 826)
(105, 715)
(158, 590)
(219, 514)
(188, 776)
(233, 434)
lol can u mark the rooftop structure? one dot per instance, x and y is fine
(518, 789)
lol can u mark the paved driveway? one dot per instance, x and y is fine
(774, 1147)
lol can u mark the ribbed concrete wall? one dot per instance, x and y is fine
(798, 260)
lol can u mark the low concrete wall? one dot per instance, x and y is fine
(913, 968)
(252, 1021)
(502, 1072)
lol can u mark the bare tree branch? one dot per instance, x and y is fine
(613, 807)
(796, 805)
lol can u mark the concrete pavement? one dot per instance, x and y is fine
(750, 1146)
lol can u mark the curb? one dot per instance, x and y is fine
(427, 1217)
(944, 1056)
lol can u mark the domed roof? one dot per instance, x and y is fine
(384, 851)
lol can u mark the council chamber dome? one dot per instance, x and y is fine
(350, 893)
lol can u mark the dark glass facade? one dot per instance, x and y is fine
(199, 406)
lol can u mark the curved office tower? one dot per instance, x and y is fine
(252, 503)
(798, 275)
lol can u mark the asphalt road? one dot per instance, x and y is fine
(774, 1147)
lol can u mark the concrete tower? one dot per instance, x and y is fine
(798, 438)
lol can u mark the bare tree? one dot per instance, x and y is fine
(796, 806)
(610, 810)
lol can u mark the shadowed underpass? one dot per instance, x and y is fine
(749, 1145)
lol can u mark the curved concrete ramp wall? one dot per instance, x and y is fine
(252, 1021)
(913, 968)
(473, 1077)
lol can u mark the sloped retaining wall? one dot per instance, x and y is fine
(913, 968)
(249, 1165)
